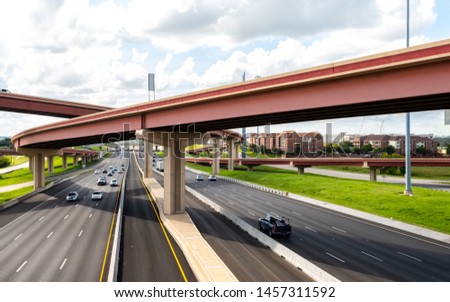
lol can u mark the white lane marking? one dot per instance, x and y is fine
(81, 232)
(90, 216)
(49, 235)
(23, 264)
(371, 256)
(56, 206)
(411, 257)
(62, 265)
(41, 218)
(96, 205)
(254, 215)
(340, 230)
(296, 213)
(23, 215)
(66, 216)
(335, 257)
(231, 203)
(310, 229)
(269, 203)
(18, 237)
(76, 205)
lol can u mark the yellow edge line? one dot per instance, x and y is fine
(162, 226)
(109, 236)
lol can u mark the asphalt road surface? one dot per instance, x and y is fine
(347, 247)
(146, 253)
(47, 238)
(248, 259)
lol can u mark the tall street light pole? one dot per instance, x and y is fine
(408, 189)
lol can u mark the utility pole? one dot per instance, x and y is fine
(408, 189)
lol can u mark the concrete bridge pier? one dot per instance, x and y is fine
(373, 173)
(64, 162)
(301, 169)
(148, 159)
(233, 151)
(216, 156)
(51, 164)
(38, 161)
(174, 144)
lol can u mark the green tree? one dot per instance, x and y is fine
(4, 162)
(366, 149)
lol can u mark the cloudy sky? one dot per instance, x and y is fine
(100, 51)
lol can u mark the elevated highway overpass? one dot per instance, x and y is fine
(301, 163)
(21, 103)
(407, 80)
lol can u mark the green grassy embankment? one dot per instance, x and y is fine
(427, 208)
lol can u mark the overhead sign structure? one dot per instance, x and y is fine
(151, 85)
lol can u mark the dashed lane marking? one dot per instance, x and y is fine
(372, 256)
(23, 264)
(335, 257)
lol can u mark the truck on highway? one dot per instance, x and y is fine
(160, 165)
(275, 224)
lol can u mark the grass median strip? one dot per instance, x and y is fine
(427, 208)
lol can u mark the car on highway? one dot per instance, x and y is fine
(105, 171)
(97, 195)
(97, 172)
(199, 177)
(212, 178)
(72, 196)
(113, 182)
(275, 224)
(110, 173)
(101, 181)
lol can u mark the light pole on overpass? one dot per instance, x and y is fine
(408, 189)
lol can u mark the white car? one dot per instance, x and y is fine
(72, 196)
(212, 177)
(113, 183)
(199, 177)
(97, 195)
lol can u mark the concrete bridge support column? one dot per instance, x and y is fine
(51, 164)
(174, 177)
(216, 157)
(301, 170)
(64, 162)
(148, 159)
(37, 157)
(231, 154)
(83, 161)
(75, 160)
(373, 174)
(38, 170)
(31, 162)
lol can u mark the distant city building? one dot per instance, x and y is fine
(397, 141)
(289, 141)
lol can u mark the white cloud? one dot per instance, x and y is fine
(101, 51)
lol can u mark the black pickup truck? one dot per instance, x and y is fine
(275, 225)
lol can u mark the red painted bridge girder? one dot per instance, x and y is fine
(407, 80)
(324, 161)
(44, 106)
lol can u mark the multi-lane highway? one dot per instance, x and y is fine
(47, 238)
(347, 247)
(248, 259)
(146, 253)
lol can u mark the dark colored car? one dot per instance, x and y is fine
(275, 224)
